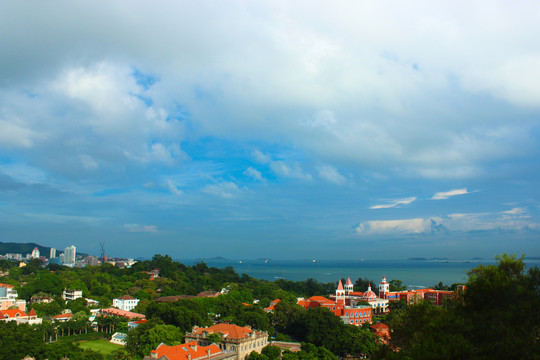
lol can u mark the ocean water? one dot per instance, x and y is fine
(413, 273)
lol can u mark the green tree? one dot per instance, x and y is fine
(272, 352)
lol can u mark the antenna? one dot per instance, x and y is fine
(102, 246)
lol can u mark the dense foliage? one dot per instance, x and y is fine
(497, 317)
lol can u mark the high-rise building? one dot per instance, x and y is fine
(52, 253)
(35, 253)
(70, 254)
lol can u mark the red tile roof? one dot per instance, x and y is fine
(32, 313)
(6, 285)
(123, 313)
(349, 281)
(272, 305)
(181, 352)
(340, 285)
(232, 331)
(126, 297)
(63, 316)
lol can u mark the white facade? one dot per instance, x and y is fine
(126, 303)
(52, 254)
(35, 253)
(70, 254)
(69, 295)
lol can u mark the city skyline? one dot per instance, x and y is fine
(271, 129)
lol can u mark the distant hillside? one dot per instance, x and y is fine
(20, 248)
(26, 248)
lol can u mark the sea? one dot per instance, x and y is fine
(413, 273)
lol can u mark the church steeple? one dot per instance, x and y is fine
(340, 293)
(349, 286)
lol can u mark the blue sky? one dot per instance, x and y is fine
(278, 129)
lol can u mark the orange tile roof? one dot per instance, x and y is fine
(126, 297)
(11, 313)
(6, 285)
(32, 313)
(340, 285)
(181, 352)
(232, 331)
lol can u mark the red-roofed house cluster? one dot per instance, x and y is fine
(236, 339)
(350, 297)
(189, 351)
(412, 296)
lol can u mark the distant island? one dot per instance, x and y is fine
(424, 259)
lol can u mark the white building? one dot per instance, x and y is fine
(69, 295)
(70, 254)
(126, 302)
(35, 253)
(52, 254)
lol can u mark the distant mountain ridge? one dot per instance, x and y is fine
(23, 248)
(26, 248)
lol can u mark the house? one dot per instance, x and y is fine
(272, 306)
(382, 331)
(9, 298)
(190, 351)
(62, 317)
(119, 338)
(125, 302)
(69, 295)
(12, 314)
(237, 339)
(134, 324)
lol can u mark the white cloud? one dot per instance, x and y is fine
(173, 188)
(384, 227)
(395, 203)
(331, 174)
(447, 194)
(261, 157)
(224, 189)
(254, 173)
(289, 170)
(516, 219)
(140, 228)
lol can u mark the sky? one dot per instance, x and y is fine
(280, 129)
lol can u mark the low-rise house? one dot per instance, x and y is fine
(237, 339)
(382, 331)
(119, 338)
(190, 351)
(272, 305)
(62, 317)
(70, 294)
(12, 314)
(125, 302)
(9, 298)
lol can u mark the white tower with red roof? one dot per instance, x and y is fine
(384, 288)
